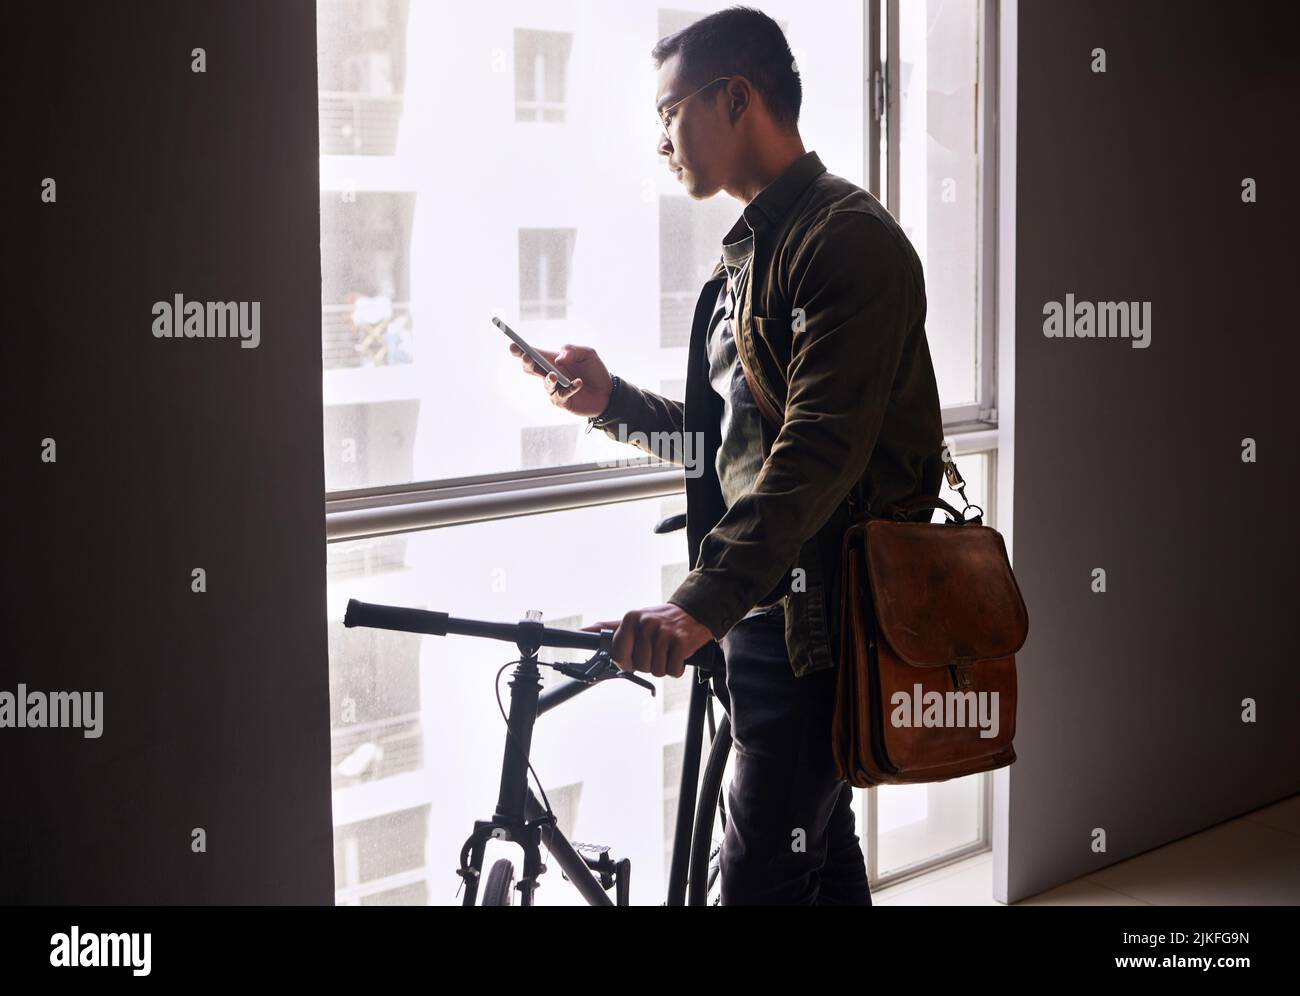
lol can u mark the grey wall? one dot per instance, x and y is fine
(1128, 188)
(172, 455)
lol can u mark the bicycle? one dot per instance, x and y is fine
(523, 820)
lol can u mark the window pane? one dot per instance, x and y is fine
(417, 737)
(516, 175)
(939, 178)
(920, 822)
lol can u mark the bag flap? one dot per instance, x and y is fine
(944, 592)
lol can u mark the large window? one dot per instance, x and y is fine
(502, 161)
(415, 726)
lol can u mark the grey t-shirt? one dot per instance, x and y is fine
(740, 454)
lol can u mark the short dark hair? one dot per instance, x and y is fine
(739, 41)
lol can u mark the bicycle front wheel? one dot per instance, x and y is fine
(498, 888)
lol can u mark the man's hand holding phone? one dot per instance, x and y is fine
(588, 393)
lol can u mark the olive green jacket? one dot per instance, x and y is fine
(832, 333)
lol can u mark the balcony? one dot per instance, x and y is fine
(358, 124)
(370, 333)
(380, 749)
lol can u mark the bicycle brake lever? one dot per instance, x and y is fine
(638, 680)
(614, 671)
(617, 672)
(590, 671)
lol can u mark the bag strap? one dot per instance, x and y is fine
(902, 510)
(764, 406)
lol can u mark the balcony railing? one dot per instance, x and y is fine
(358, 124)
(363, 752)
(345, 342)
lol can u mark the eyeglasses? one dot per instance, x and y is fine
(664, 121)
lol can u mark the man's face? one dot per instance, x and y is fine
(700, 143)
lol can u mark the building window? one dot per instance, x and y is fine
(369, 441)
(548, 446)
(361, 74)
(545, 259)
(541, 71)
(381, 861)
(366, 279)
(375, 704)
(690, 245)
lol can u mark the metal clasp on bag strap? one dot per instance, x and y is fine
(958, 484)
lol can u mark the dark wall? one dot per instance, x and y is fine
(1129, 189)
(172, 454)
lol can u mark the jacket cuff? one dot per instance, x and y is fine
(709, 602)
(616, 410)
(617, 383)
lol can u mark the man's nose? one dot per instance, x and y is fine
(665, 145)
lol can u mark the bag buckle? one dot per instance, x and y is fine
(958, 484)
(962, 672)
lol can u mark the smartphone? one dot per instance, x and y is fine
(533, 354)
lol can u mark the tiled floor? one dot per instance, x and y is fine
(1252, 860)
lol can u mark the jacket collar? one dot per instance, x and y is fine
(772, 202)
(775, 200)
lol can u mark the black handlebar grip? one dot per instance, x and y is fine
(395, 617)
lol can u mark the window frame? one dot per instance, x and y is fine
(971, 428)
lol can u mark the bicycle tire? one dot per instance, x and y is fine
(498, 889)
(706, 813)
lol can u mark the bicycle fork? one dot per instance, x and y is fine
(509, 821)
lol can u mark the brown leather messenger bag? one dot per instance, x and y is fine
(931, 619)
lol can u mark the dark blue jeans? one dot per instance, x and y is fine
(791, 835)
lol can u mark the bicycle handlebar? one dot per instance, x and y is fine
(396, 617)
(521, 634)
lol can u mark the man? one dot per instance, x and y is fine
(809, 372)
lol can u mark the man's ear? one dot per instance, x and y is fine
(741, 98)
(738, 94)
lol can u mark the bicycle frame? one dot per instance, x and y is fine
(521, 818)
